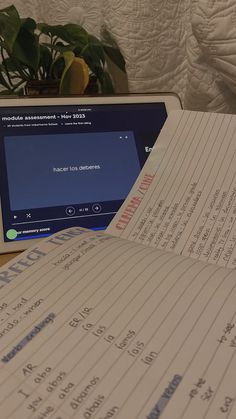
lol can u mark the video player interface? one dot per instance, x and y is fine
(70, 165)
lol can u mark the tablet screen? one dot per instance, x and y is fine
(71, 165)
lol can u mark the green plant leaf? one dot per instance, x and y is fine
(68, 58)
(3, 81)
(111, 49)
(75, 34)
(16, 93)
(24, 57)
(70, 33)
(93, 86)
(45, 60)
(51, 30)
(106, 83)
(91, 60)
(57, 68)
(10, 24)
(96, 49)
(93, 55)
(20, 92)
(59, 47)
(6, 93)
(29, 24)
(26, 48)
(2, 68)
(115, 56)
(11, 65)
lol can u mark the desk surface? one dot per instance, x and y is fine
(7, 256)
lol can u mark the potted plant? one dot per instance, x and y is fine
(65, 57)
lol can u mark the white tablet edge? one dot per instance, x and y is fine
(171, 101)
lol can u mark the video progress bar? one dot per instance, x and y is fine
(64, 218)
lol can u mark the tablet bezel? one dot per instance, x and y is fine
(171, 101)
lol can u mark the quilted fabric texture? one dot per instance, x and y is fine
(211, 51)
(152, 37)
(184, 46)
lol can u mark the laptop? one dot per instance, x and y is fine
(71, 161)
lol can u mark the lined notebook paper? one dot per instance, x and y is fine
(105, 325)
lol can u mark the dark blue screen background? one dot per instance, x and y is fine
(34, 140)
(36, 184)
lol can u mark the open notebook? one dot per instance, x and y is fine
(137, 322)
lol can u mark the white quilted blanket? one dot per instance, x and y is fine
(185, 46)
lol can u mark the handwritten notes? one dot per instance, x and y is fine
(101, 327)
(190, 206)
